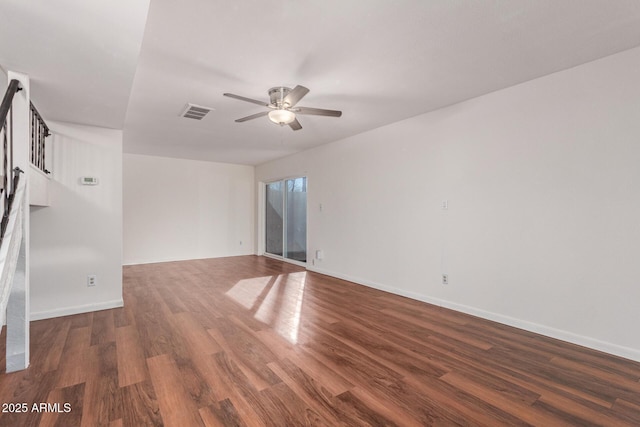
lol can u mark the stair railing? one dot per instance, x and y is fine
(10, 175)
(14, 225)
(39, 132)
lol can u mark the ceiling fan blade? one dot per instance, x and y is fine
(317, 111)
(242, 98)
(295, 95)
(253, 116)
(295, 125)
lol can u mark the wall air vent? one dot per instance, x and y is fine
(193, 111)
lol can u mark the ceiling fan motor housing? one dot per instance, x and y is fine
(277, 95)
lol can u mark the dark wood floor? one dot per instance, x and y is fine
(253, 341)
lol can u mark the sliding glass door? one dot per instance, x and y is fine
(274, 218)
(286, 218)
(296, 219)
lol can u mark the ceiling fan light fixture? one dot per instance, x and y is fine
(284, 106)
(281, 117)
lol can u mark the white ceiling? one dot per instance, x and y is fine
(379, 61)
(81, 56)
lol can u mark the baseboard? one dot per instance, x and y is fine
(614, 349)
(161, 260)
(77, 309)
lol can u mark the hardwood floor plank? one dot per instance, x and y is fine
(176, 407)
(140, 406)
(196, 385)
(385, 352)
(562, 417)
(73, 367)
(307, 389)
(157, 335)
(570, 379)
(586, 411)
(628, 409)
(58, 414)
(251, 341)
(432, 328)
(212, 419)
(52, 359)
(122, 316)
(501, 399)
(101, 392)
(250, 355)
(132, 367)
(25, 387)
(81, 320)
(299, 411)
(355, 366)
(206, 317)
(174, 304)
(222, 414)
(417, 309)
(195, 335)
(103, 327)
(624, 387)
(331, 380)
(46, 355)
(245, 396)
(74, 396)
(357, 413)
(220, 386)
(510, 370)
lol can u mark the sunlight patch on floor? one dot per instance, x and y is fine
(274, 300)
(282, 306)
(247, 291)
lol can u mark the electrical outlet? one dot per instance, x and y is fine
(92, 279)
(445, 279)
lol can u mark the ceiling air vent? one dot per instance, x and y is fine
(193, 111)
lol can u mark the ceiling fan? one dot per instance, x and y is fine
(283, 108)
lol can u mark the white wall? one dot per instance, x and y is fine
(81, 232)
(543, 185)
(178, 209)
(3, 82)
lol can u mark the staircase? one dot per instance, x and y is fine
(22, 139)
